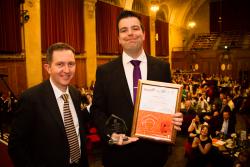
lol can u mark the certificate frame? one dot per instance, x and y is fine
(154, 106)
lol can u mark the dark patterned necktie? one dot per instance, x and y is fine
(136, 76)
(70, 131)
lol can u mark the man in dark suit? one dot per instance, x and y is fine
(113, 94)
(226, 124)
(39, 137)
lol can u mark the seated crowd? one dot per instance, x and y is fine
(209, 111)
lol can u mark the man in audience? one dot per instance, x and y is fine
(214, 121)
(49, 125)
(114, 94)
(224, 106)
(227, 125)
(188, 114)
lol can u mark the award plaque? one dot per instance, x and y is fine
(155, 104)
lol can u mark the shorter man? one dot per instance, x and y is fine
(49, 125)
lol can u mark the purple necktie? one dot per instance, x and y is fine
(136, 75)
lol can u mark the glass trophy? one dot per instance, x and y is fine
(115, 124)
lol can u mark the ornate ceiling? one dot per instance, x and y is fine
(177, 12)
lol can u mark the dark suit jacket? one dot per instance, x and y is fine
(231, 126)
(38, 137)
(112, 96)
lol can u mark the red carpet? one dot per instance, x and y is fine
(4, 157)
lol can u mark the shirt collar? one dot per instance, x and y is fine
(57, 91)
(126, 58)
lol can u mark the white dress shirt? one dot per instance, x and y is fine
(128, 68)
(224, 128)
(60, 103)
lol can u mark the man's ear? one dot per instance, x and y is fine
(47, 67)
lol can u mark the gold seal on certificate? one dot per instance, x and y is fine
(155, 104)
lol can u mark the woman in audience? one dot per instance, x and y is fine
(193, 131)
(195, 127)
(201, 148)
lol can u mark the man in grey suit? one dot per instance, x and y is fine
(38, 136)
(113, 94)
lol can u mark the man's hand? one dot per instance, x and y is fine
(122, 139)
(177, 120)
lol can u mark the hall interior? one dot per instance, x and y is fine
(197, 37)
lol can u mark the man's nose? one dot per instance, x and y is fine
(130, 31)
(66, 68)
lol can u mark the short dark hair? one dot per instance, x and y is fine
(57, 46)
(125, 14)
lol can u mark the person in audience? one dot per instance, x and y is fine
(214, 120)
(201, 148)
(46, 122)
(193, 131)
(224, 106)
(230, 102)
(226, 125)
(202, 104)
(114, 94)
(195, 127)
(185, 92)
(218, 100)
(88, 103)
(188, 108)
(188, 114)
(231, 105)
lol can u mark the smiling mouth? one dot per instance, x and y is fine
(132, 41)
(66, 77)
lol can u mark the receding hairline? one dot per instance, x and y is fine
(57, 47)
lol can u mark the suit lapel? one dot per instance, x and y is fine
(76, 103)
(151, 69)
(52, 106)
(121, 77)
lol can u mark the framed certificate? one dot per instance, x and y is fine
(155, 104)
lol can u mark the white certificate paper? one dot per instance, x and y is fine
(158, 99)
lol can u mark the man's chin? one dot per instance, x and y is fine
(66, 82)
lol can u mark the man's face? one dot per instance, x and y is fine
(131, 36)
(187, 104)
(226, 115)
(224, 101)
(62, 68)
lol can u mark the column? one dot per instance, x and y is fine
(90, 40)
(152, 32)
(32, 35)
